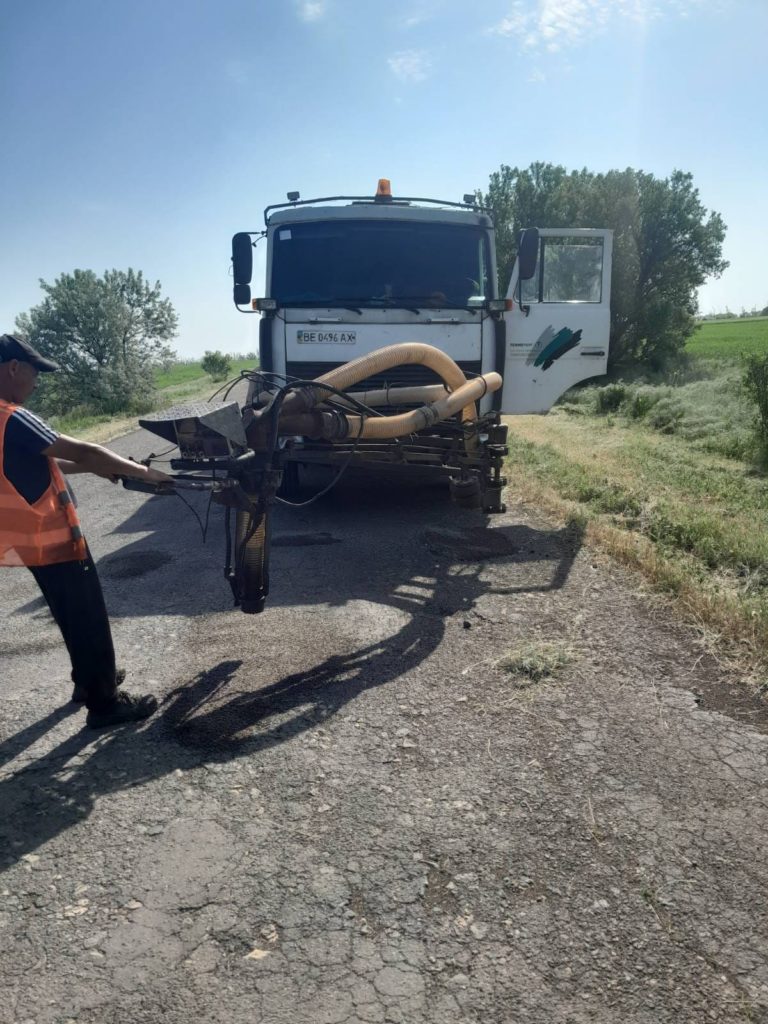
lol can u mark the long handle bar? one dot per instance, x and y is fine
(176, 483)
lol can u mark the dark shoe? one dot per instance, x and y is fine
(80, 695)
(126, 708)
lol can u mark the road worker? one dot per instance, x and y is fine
(39, 529)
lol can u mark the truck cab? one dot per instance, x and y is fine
(348, 275)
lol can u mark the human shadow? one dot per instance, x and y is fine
(220, 714)
(16, 744)
(222, 725)
(37, 604)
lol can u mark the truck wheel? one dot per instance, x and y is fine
(492, 502)
(465, 491)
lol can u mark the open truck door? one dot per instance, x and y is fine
(558, 328)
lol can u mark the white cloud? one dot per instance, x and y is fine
(312, 10)
(556, 24)
(410, 65)
(419, 13)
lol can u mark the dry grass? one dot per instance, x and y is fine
(534, 661)
(694, 524)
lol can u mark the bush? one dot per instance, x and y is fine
(216, 364)
(665, 415)
(610, 398)
(642, 401)
(755, 383)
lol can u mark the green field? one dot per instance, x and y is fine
(184, 373)
(184, 382)
(729, 340)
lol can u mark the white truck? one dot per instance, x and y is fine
(384, 342)
(346, 275)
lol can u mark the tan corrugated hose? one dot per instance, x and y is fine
(397, 397)
(407, 353)
(344, 377)
(320, 424)
(462, 398)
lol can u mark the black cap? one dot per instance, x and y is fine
(12, 347)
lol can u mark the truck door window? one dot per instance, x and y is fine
(570, 269)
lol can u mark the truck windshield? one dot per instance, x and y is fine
(375, 263)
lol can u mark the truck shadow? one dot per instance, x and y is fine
(224, 713)
(150, 576)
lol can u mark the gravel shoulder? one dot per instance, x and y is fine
(346, 810)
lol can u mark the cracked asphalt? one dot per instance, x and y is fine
(346, 811)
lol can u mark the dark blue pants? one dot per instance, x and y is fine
(74, 596)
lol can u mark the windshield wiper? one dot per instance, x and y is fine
(430, 301)
(395, 302)
(369, 301)
(380, 300)
(317, 303)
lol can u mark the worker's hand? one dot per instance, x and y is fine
(154, 476)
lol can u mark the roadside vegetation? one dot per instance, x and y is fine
(665, 245)
(178, 382)
(111, 336)
(668, 475)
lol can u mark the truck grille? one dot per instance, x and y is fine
(413, 375)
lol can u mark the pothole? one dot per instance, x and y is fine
(471, 545)
(138, 563)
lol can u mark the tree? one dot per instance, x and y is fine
(217, 364)
(665, 244)
(107, 333)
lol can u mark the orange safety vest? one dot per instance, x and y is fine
(43, 533)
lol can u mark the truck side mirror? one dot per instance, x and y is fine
(242, 294)
(242, 267)
(527, 253)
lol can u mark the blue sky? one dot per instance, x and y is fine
(146, 133)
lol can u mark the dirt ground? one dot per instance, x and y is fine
(346, 810)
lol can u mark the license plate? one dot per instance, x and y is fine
(326, 337)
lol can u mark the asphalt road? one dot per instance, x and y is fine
(347, 811)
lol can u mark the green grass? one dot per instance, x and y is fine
(710, 508)
(712, 413)
(729, 340)
(668, 476)
(184, 382)
(185, 373)
(77, 424)
(694, 522)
